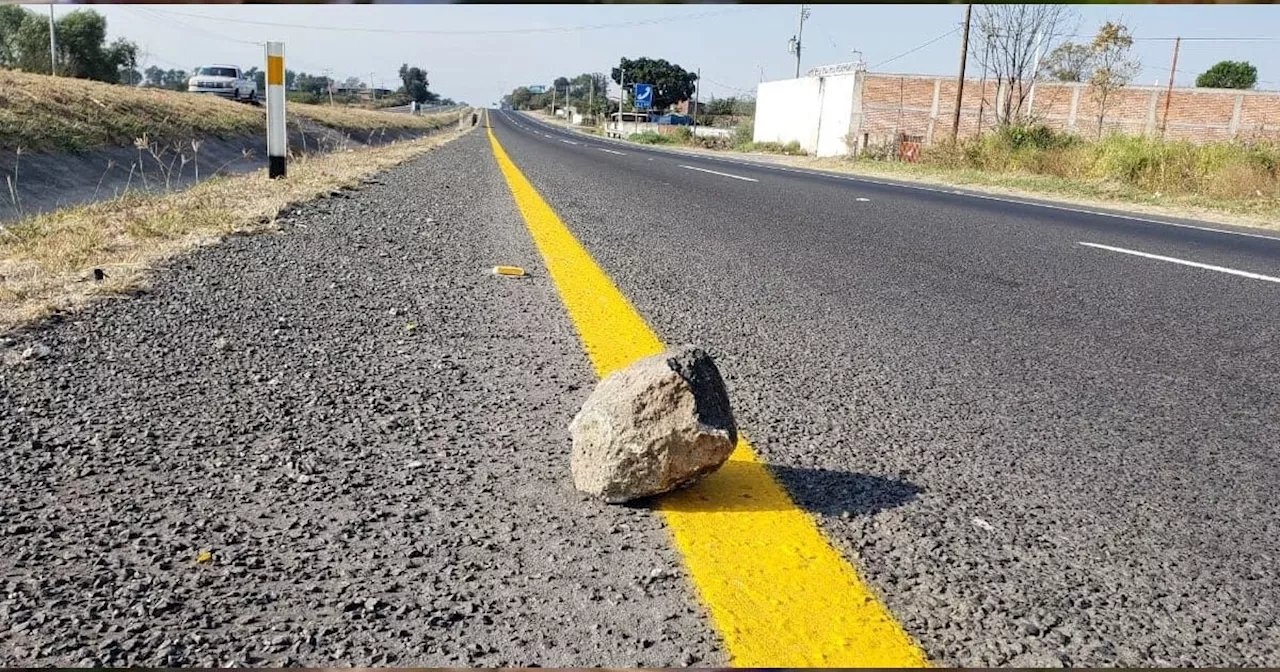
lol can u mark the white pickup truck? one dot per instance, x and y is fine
(227, 81)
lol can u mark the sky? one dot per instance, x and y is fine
(476, 53)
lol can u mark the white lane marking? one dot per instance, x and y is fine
(568, 142)
(611, 151)
(902, 185)
(716, 172)
(1184, 262)
(863, 200)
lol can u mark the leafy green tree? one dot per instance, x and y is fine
(671, 83)
(315, 84)
(590, 90)
(175, 79)
(290, 79)
(82, 45)
(520, 97)
(1229, 75)
(153, 76)
(11, 18)
(415, 84)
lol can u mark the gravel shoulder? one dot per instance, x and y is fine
(340, 444)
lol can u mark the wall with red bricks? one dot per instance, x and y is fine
(923, 107)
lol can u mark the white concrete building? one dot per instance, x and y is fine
(821, 110)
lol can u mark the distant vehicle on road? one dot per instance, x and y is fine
(227, 81)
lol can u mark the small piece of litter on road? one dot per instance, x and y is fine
(513, 271)
(99, 275)
(411, 326)
(205, 556)
(414, 464)
(863, 200)
(983, 525)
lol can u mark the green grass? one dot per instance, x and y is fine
(651, 138)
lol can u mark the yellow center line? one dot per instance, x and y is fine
(779, 594)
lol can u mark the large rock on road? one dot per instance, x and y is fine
(657, 425)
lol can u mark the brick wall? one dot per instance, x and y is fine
(923, 106)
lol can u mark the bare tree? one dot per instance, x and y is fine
(1113, 68)
(1008, 37)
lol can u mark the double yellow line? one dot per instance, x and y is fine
(779, 594)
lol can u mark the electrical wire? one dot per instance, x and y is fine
(949, 33)
(508, 31)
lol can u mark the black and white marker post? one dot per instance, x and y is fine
(277, 140)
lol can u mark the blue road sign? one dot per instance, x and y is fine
(644, 96)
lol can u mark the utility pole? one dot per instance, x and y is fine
(793, 45)
(964, 53)
(53, 44)
(553, 98)
(697, 87)
(328, 74)
(372, 91)
(591, 100)
(982, 85)
(622, 90)
(1035, 73)
(1164, 122)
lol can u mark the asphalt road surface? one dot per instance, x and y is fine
(1037, 451)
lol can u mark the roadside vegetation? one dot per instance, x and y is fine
(1237, 177)
(49, 263)
(43, 113)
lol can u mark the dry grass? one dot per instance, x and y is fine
(47, 262)
(60, 113)
(39, 112)
(358, 119)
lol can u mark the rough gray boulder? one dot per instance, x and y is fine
(657, 425)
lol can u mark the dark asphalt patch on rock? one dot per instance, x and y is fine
(366, 431)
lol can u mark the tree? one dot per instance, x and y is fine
(520, 97)
(1069, 62)
(352, 83)
(258, 76)
(175, 79)
(1008, 36)
(290, 79)
(317, 84)
(1229, 75)
(82, 45)
(154, 76)
(582, 88)
(1114, 68)
(11, 18)
(671, 83)
(415, 84)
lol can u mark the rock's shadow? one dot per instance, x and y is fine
(831, 493)
(742, 486)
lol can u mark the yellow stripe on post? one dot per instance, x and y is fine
(780, 595)
(275, 70)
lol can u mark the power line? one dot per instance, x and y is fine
(511, 31)
(949, 33)
(155, 15)
(726, 86)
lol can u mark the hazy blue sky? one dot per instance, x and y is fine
(732, 44)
